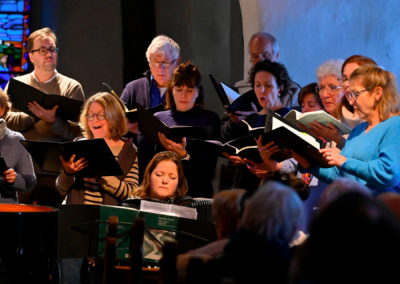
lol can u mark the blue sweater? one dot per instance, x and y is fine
(373, 158)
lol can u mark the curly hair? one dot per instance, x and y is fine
(186, 74)
(278, 70)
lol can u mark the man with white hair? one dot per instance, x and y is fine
(163, 55)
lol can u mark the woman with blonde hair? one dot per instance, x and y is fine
(102, 117)
(370, 155)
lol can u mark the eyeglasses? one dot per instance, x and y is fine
(100, 116)
(353, 95)
(43, 50)
(329, 88)
(163, 65)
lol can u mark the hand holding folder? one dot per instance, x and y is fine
(288, 136)
(21, 94)
(100, 159)
(150, 125)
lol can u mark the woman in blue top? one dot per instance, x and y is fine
(371, 154)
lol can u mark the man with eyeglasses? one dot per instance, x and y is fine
(163, 56)
(43, 53)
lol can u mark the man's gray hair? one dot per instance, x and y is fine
(268, 37)
(163, 45)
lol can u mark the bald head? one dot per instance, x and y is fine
(263, 46)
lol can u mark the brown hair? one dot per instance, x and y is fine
(372, 76)
(114, 114)
(359, 60)
(310, 89)
(42, 34)
(186, 74)
(143, 191)
(226, 211)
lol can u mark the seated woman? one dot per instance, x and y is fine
(184, 99)
(370, 155)
(102, 117)
(18, 176)
(164, 180)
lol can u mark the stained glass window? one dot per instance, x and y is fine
(14, 32)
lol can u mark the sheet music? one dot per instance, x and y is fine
(168, 209)
(231, 94)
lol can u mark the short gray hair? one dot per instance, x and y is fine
(330, 67)
(268, 37)
(274, 212)
(163, 45)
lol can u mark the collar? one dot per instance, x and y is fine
(48, 81)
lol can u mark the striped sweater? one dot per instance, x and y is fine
(95, 188)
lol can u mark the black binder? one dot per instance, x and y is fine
(149, 126)
(21, 94)
(101, 161)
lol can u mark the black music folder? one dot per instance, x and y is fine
(101, 161)
(288, 136)
(149, 126)
(132, 114)
(231, 100)
(21, 94)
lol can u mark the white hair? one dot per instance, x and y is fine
(163, 45)
(330, 67)
(274, 212)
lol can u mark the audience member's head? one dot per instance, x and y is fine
(163, 55)
(329, 86)
(163, 178)
(226, 211)
(263, 46)
(268, 79)
(392, 201)
(309, 99)
(274, 212)
(354, 240)
(185, 90)
(103, 117)
(339, 187)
